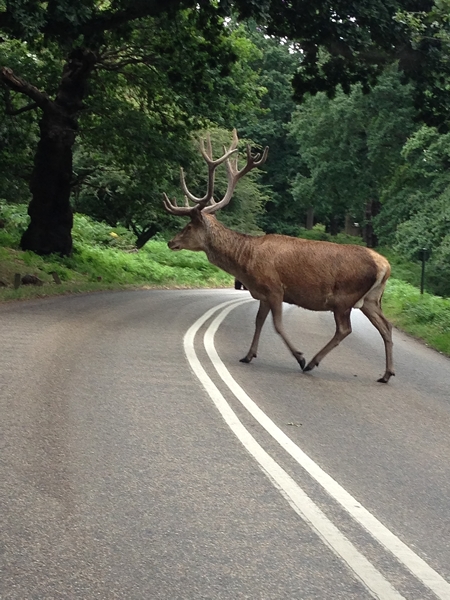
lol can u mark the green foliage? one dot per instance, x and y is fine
(18, 135)
(429, 30)
(101, 235)
(416, 207)
(348, 148)
(85, 230)
(162, 70)
(14, 220)
(421, 177)
(403, 269)
(139, 131)
(103, 257)
(275, 65)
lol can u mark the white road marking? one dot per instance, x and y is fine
(370, 577)
(416, 565)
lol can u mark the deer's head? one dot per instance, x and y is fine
(194, 235)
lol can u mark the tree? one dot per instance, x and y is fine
(429, 31)
(275, 64)
(130, 149)
(342, 43)
(416, 205)
(87, 38)
(349, 147)
(346, 42)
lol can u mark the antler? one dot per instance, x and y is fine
(212, 166)
(253, 160)
(233, 177)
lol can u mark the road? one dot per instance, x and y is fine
(139, 459)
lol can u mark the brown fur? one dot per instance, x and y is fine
(320, 276)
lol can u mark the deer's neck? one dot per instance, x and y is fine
(227, 249)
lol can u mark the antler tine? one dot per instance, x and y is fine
(207, 154)
(212, 166)
(254, 160)
(172, 206)
(234, 175)
(208, 151)
(209, 190)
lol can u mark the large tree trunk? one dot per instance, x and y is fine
(50, 211)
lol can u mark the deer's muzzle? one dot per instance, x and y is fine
(173, 245)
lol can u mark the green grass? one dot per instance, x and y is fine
(93, 268)
(425, 317)
(103, 258)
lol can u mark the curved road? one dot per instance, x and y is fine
(139, 459)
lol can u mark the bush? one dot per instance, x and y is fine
(15, 219)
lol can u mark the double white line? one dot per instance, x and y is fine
(371, 578)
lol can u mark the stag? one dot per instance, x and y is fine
(320, 276)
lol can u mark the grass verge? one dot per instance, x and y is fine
(425, 317)
(94, 269)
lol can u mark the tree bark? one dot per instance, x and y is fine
(333, 226)
(144, 236)
(50, 211)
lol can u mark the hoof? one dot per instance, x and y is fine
(386, 377)
(247, 358)
(301, 361)
(310, 366)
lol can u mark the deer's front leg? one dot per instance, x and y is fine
(277, 311)
(263, 311)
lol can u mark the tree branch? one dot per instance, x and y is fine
(17, 84)
(13, 112)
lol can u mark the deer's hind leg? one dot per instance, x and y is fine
(343, 329)
(372, 309)
(276, 307)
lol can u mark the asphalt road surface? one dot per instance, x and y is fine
(139, 459)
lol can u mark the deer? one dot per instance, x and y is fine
(315, 275)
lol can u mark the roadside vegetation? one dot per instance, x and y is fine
(424, 316)
(105, 258)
